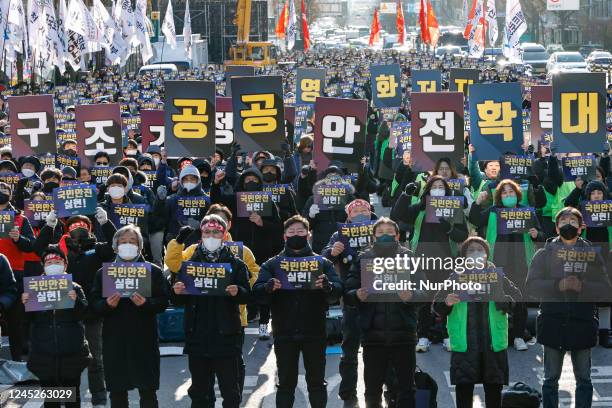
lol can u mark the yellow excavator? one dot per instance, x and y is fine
(246, 52)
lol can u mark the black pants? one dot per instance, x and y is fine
(15, 317)
(519, 320)
(74, 383)
(350, 350)
(148, 399)
(287, 361)
(203, 371)
(241, 371)
(376, 363)
(465, 395)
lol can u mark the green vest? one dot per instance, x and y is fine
(491, 237)
(554, 203)
(456, 325)
(416, 235)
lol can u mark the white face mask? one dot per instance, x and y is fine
(477, 256)
(156, 161)
(212, 244)
(127, 252)
(189, 186)
(27, 172)
(131, 152)
(54, 269)
(437, 192)
(116, 192)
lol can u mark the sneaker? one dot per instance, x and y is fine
(520, 345)
(446, 344)
(423, 345)
(263, 332)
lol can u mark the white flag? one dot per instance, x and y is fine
(187, 31)
(81, 22)
(61, 27)
(125, 18)
(168, 26)
(142, 34)
(15, 33)
(476, 37)
(44, 37)
(4, 11)
(292, 26)
(516, 25)
(492, 21)
(111, 40)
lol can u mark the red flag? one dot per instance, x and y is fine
(468, 26)
(305, 32)
(432, 25)
(283, 19)
(375, 28)
(423, 23)
(400, 23)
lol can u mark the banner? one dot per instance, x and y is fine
(224, 125)
(72, 200)
(99, 175)
(298, 273)
(597, 213)
(7, 222)
(355, 236)
(152, 128)
(456, 185)
(562, 5)
(276, 190)
(579, 166)
(437, 128)
(236, 247)
(449, 208)
(386, 81)
(36, 211)
(496, 120)
(48, 292)
(571, 260)
(126, 278)
(541, 113)
(10, 178)
(191, 207)
(340, 132)
(210, 279)
(99, 129)
(32, 125)
(62, 160)
(491, 282)
(331, 196)
(426, 80)
(403, 143)
(125, 214)
(189, 116)
(232, 71)
(309, 85)
(462, 78)
(515, 220)
(259, 202)
(516, 167)
(579, 112)
(383, 282)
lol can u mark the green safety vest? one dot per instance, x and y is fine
(491, 237)
(556, 201)
(456, 325)
(416, 235)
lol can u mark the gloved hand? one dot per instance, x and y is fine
(325, 285)
(51, 219)
(235, 148)
(286, 148)
(162, 192)
(183, 234)
(410, 188)
(530, 149)
(313, 211)
(101, 216)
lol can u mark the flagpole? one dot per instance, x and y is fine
(484, 30)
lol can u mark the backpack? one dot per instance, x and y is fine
(520, 395)
(426, 389)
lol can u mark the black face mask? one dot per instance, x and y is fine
(4, 198)
(48, 188)
(251, 186)
(79, 234)
(70, 152)
(568, 231)
(269, 177)
(297, 242)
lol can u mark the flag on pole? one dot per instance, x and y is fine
(374, 29)
(4, 11)
(423, 23)
(61, 27)
(291, 28)
(400, 23)
(283, 21)
(168, 26)
(476, 35)
(432, 25)
(142, 33)
(516, 25)
(112, 41)
(82, 33)
(15, 31)
(305, 32)
(187, 31)
(492, 21)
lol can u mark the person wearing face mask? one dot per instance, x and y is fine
(16, 248)
(136, 183)
(357, 211)
(271, 174)
(206, 173)
(302, 155)
(58, 350)
(69, 174)
(85, 256)
(69, 148)
(567, 319)
(306, 334)
(446, 169)
(388, 329)
(479, 179)
(129, 334)
(131, 150)
(478, 333)
(30, 166)
(432, 239)
(513, 251)
(213, 330)
(50, 178)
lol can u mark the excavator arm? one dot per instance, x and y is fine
(245, 52)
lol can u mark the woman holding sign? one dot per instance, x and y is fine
(130, 346)
(58, 350)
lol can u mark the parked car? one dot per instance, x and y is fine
(534, 55)
(448, 51)
(566, 61)
(552, 48)
(600, 59)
